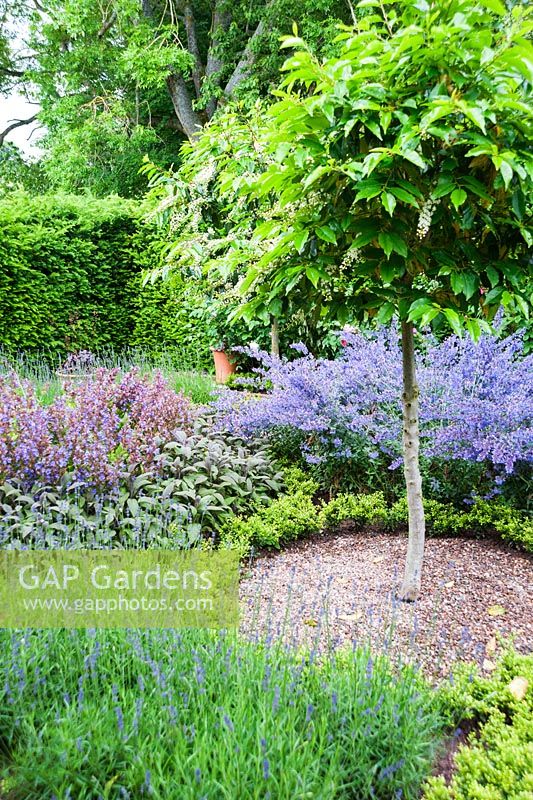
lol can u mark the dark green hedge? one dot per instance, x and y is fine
(70, 279)
(67, 271)
(71, 272)
(174, 315)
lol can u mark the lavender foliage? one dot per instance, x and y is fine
(137, 682)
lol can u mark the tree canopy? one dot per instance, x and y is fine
(121, 78)
(403, 168)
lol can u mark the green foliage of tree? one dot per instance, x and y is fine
(102, 156)
(16, 172)
(5, 61)
(400, 184)
(202, 212)
(123, 77)
(422, 178)
(11, 67)
(202, 206)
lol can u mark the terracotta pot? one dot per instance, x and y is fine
(224, 366)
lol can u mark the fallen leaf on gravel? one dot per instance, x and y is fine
(496, 611)
(351, 617)
(518, 687)
(491, 646)
(377, 559)
(311, 622)
(488, 666)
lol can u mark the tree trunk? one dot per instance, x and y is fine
(410, 587)
(215, 62)
(190, 121)
(274, 337)
(193, 48)
(242, 70)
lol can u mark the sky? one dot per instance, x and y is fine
(17, 107)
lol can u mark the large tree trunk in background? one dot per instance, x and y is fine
(192, 47)
(215, 63)
(274, 337)
(242, 70)
(410, 587)
(190, 121)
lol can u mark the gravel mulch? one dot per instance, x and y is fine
(340, 589)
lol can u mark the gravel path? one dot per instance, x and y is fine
(340, 589)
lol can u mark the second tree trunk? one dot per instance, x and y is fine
(410, 587)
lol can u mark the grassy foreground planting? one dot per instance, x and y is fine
(82, 713)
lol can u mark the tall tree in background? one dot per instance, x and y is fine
(118, 78)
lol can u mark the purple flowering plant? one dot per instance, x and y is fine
(119, 459)
(94, 430)
(476, 404)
